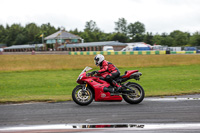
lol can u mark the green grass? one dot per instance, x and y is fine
(57, 85)
(175, 80)
(68, 62)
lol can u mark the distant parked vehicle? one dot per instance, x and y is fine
(190, 48)
(160, 47)
(124, 49)
(175, 48)
(138, 47)
(108, 48)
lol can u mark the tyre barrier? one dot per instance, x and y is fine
(182, 52)
(131, 52)
(118, 53)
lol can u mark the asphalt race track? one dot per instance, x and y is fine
(178, 114)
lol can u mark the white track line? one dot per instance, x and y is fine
(181, 126)
(170, 99)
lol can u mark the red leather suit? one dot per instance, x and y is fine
(108, 70)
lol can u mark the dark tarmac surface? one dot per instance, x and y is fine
(152, 113)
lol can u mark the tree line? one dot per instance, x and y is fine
(125, 32)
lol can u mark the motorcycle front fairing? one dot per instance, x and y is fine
(83, 75)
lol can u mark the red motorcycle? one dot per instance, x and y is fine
(93, 87)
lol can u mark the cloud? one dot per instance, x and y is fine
(157, 15)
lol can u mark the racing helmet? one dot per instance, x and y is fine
(98, 59)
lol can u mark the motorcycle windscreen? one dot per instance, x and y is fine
(87, 68)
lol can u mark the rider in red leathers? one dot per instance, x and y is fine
(108, 71)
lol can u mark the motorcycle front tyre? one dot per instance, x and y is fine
(82, 100)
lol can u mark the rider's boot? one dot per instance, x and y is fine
(117, 86)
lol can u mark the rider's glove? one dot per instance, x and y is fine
(93, 72)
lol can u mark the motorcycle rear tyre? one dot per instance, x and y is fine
(132, 101)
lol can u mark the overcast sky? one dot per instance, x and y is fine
(158, 16)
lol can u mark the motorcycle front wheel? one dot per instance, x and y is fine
(137, 96)
(81, 97)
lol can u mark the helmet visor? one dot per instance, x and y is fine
(96, 61)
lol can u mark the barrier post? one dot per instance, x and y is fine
(33, 52)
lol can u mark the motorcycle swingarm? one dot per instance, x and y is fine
(125, 85)
(128, 91)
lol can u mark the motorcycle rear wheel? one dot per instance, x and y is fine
(137, 96)
(82, 98)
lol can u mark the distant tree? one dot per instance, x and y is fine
(32, 31)
(148, 38)
(164, 34)
(92, 33)
(121, 26)
(20, 39)
(89, 36)
(138, 38)
(2, 34)
(91, 26)
(160, 40)
(75, 31)
(17, 34)
(12, 32)
(47, 29)
(157, 39)
(134, 32)
(195, 39)
(167, 41)
(118, 37)
(179, 38)
(136, 28)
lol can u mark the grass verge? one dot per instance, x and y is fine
(69, 62)
(57, 85)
